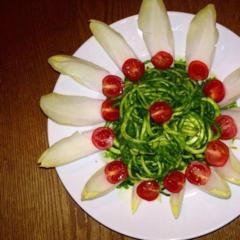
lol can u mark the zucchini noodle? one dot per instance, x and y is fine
(152, 150)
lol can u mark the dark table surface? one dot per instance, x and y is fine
(34, 203)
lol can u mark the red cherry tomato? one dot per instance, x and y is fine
(174, 181)
(217, 153)
(112, 86)
(148, 190)
(103, 137)
(198, 70)
(160, 112)
(162, 60)
(197, 173)
(116, 171)
(215, 90)
(133, 69)
(228, 127)
(109, 112)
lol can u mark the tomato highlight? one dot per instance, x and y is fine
(162, 60)
(215, 90)
(160, 112)
(133, 69)
(116, 171)
(197, 173)
(174, 181)
(102, 138)
(227, 126)
(109, 111)
(112, 86)
(198, 70)
(217, 153)
(148, 190)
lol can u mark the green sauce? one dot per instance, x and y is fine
(152, 150)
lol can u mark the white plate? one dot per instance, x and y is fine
(201, 213)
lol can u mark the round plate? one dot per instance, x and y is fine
(201, 213)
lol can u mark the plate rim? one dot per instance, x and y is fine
(59, 175)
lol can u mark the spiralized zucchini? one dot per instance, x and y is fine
(151, 150)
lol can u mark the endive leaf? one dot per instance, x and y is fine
(68, 150)
(202, 36)
(235, 114)
(136, 200)
(235, 163)
(176, 200)
(97, 186)
(216, 186)
(71, 110)
(232, 88)
(154, 22)
(83, 71)
(231, 170)
(112, 41)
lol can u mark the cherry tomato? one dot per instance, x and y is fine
(148, 190)
(109, 112)
(197, 173)
(174, 181)
(133, 69)
(217, 153)
(162, 60)
(160, 112)
(103, 137)
(116, 171)
(228, 127)
(215, 90)
(198, 70)
(112, 86)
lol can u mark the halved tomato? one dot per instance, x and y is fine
(116, 171)
(162, 60)
(112, 86)
(103, 137)
(174, 181)
(148, 190)
(133, 69)
(217, 153)
(197, 173)
(228, 127)
(215, 90)
(109, 111)
(160, 112)
(198, 70)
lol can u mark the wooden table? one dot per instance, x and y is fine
(34, 203)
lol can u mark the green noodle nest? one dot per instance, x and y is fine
(152, 150)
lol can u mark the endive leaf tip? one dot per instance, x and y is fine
(222, 194)
(44, 164)
(51, 60)
(233, 180)
(83, 195)
(135, 206)
(58, 58)
(175, 211)
(39, 160)
(55, 61)
(134, 210)
(94, 22)
(161, 4)
(209, 8)
(42, 102)
(88, 195)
